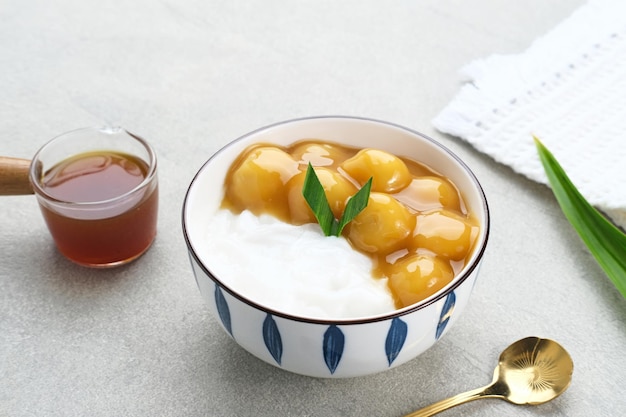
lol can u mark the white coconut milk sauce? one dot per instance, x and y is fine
(292, 269)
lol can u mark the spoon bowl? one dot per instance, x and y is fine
(534, 370)
(530, 371)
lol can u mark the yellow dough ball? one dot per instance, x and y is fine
(388, 172)
(319, 154)
(430, 193)
(258, 182)
(417, 277)
(445, 233)
(382, 226)
(336, 187)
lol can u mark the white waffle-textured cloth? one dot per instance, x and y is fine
(569, 89)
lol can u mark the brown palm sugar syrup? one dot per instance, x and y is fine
(111, 222)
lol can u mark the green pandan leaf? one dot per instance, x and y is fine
(355, 205)
(605, 241)
(314, 194)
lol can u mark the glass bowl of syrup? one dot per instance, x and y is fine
(97, 189)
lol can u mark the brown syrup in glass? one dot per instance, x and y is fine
(108, 237)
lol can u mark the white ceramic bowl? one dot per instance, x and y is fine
(332, 348)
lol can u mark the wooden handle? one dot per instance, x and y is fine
(14, 179)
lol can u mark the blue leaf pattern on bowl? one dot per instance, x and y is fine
(446, 313)
(222, 309)
(333, 345)
(395, 339)
(272, 339)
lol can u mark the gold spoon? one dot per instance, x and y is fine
(530, 371)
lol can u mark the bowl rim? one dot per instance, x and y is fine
(358, 320)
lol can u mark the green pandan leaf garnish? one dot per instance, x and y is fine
(314, 194)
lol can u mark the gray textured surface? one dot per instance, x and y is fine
(192, 75)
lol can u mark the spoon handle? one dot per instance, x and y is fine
(14, 179)
(442, 405)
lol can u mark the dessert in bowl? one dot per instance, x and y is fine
(333, 306)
